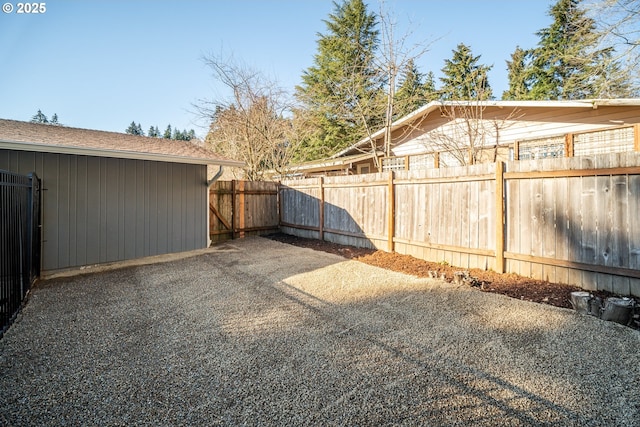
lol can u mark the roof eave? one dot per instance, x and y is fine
(121, 154)
(426, 109)
(327, 164)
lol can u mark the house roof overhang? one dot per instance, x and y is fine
(331, 163)
(438, 105)
(119, 154)
(46, 138)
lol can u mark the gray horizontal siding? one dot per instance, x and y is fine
(97, 210)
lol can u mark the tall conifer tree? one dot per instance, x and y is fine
(518, 75)
(342, 76)
(414, 90)
(570, 62)
(463, 78)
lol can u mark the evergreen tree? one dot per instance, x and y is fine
(135, 129)
(39, 117)
(463, 78)
(518, 75)
(568, 64)
(54, 120)
(168, 133)
(183, 135)
(153, 132)
(413, 90)
(430, 87)
(341, 79)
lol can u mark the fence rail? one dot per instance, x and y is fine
(19, 241)
(239, 208)
(566, 220)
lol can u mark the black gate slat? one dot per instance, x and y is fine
(19, 241)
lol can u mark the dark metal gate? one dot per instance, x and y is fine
(19, 241)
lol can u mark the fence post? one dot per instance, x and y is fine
(321, 210)
(34, 227)
(568, 145)
(499, 217)
(233, 209)
(391, 211)
(279, 203)
(636, 137)
(241, 208)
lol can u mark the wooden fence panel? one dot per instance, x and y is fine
(568, 220)
(561, 189)
(242, 208)
(513, 226)
(578, 227)
(355, 210)
(300, 207)
(633, 207)
(260, 206)
(221, 211)
(447, 215)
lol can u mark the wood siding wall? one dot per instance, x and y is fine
(567, 220)
(519, 124)
(98, 210)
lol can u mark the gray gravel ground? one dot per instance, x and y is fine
(256, 332)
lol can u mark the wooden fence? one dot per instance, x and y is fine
(239, 208)
(566, 220)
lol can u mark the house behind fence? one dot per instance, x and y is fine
(565, 220)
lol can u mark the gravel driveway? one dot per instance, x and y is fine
(258, 332)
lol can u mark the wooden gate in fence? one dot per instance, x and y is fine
(239, 208)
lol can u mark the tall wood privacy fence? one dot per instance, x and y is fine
(567, 220)
(239, 208)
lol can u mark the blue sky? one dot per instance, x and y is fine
(100, 64)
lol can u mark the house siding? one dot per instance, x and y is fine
(97, 210)
(525, 124)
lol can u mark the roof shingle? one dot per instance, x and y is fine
(28, 136)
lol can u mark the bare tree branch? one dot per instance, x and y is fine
(254, 122)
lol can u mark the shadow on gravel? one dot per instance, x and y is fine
(257, 332)
(476, 390)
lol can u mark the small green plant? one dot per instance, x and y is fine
(443, 262)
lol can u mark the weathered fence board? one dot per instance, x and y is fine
(584, 221)
(300, 208)
(221, 210)
(238, 208)
(260, 207)
(353, 209)
(567, 220)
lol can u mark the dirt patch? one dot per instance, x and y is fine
(512, 285)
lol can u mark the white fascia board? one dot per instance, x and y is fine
(434, 105)
(330, 163)
(398, 123)
(119, 154)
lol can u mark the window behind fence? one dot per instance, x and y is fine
(606, 141)
(544, 148)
